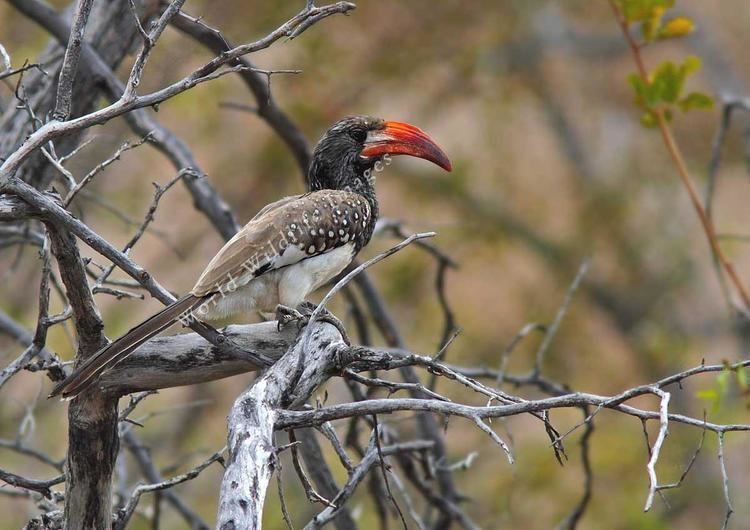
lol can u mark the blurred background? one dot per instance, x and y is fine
(551, 166)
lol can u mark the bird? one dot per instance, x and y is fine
(292, 246)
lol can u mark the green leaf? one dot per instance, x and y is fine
(667, 82)
(713, 398)
(668, 79)
(648, 119)
(639, 87)
(742, 378)
(696, 100)
(723, 381)
(709, 395)
(691, 65)
(650, 27)
(641, 10)
(677, 27)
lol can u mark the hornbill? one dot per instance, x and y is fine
(292, 246)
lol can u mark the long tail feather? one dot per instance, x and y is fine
(90, 370)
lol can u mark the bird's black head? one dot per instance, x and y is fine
(346, 156)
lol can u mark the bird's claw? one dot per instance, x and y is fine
(286, 315)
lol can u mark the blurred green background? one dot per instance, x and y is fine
(530, 101)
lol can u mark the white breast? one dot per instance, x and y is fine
(287, 286)
(300, 279)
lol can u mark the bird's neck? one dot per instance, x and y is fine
(364, 184)
(367, 190)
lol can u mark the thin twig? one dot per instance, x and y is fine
(679, 162)
(552, 329)
(725, 482)
(127, 512)
(312, 495)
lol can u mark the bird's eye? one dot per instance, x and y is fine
(359, 135)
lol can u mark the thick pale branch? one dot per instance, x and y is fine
(188, 358)
(252, 423)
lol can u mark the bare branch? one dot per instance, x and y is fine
(127, 513)
(295, 419)
(148, 218)
(39, 486)
(130, 101)
(149, 42)
(70, 62)
(151, 473)
(656, 450)
(252, 422)
(266, 107)
(370, 459)
(204, 196)
(18, 446)
(21, 70)
(571, 521)
(312, 495)
(101, 166)
(188, 359)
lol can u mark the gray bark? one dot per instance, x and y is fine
(252, 421)
(188, 358)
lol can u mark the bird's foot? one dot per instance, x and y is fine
(301, 316)
(286, 315)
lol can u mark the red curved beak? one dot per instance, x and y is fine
(398, 138)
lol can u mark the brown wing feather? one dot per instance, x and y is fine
(284, 233)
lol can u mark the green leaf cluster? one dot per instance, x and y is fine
(644, 10)
(664, 90)
(650, 14)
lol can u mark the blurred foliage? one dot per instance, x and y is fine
(662, 89)
(528, 99)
